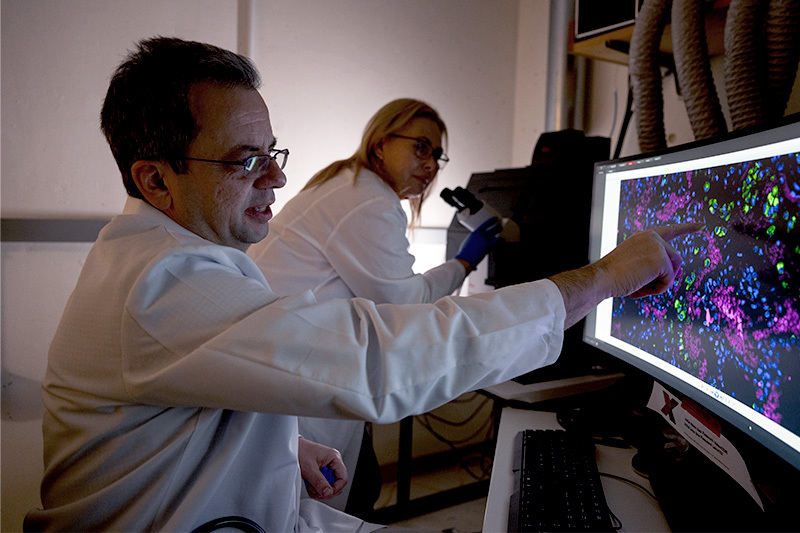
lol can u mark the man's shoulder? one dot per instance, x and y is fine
(153, 240)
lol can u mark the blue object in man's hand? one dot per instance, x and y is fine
(480, 241)
(327, 472)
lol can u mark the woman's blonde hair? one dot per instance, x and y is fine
(389, 119)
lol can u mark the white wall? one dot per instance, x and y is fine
(327, 67)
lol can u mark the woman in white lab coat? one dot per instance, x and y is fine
(344, 236)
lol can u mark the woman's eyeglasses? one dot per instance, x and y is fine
(423, 149)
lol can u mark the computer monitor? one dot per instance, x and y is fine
(727, 334)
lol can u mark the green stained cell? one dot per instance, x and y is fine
(791, 222)
(771, 230)
(785, 284)
(706, 186)
(707, 262)
(690, 280)
(720, 231)
(712, 206)
(681, 309)
(771, 205)
(747, 187)
(779, 266)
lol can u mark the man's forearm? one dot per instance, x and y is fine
(644, 264)
(582, 289)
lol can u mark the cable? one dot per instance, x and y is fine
(630, 482)
(617, 525)
(487, 426)
(239, 522)
(464, 422)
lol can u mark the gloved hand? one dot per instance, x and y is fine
(479, 242)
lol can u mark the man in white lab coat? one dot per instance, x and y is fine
(176, 375)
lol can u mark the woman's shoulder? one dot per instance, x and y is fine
(347, 191)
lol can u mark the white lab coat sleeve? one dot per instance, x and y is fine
(368, 249)
(198, 332)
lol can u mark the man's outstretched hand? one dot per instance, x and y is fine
(646, 263)
(642, 265)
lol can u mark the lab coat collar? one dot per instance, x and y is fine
(135, 206)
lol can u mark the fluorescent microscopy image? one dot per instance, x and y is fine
(732, 318)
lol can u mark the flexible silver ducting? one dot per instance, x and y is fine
(744, 49)
(693, 68)
(762, 51)
(783, 52)
(645, 74)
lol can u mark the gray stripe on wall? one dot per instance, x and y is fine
(49, 230)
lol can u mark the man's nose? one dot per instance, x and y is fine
(272, 177)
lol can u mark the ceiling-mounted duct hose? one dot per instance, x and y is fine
(645, 74)
(693, 68)
(782, 35)
(745, 68)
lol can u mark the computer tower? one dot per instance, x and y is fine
(551, 202)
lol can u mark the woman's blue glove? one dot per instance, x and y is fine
(479, 242)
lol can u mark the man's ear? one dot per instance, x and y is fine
(149, 177)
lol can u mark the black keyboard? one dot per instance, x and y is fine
(557, 486)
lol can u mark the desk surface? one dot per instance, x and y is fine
(636, 510)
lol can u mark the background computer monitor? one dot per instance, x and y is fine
(550, 201)
(727, 334)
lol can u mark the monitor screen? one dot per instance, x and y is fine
(727, 334)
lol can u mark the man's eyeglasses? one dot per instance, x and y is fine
(423, 149)
(254, 163)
